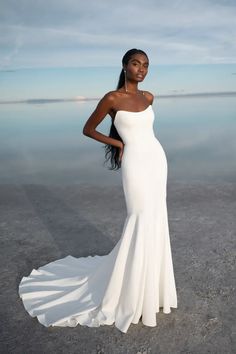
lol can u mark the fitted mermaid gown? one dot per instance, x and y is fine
(136, 278)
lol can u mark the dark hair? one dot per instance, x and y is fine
(112, 152)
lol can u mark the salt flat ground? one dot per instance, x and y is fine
(41, 223)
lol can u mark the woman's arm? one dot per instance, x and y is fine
(103, 108)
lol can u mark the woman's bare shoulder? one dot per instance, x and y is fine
(149, 96)
(108, 101)
(111, 96)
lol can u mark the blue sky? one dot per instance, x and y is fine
(72, 33)
(95, 81)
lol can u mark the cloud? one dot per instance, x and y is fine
(71, 33)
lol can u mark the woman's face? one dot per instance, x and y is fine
(137, 67)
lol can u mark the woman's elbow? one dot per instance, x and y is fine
(87, 131)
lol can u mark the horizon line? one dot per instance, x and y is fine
(85, 99)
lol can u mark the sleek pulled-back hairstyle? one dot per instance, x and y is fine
(112, 152)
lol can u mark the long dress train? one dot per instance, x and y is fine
(136, 278)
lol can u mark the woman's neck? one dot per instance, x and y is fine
(131, 87)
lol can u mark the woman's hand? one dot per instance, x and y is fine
(121, 150)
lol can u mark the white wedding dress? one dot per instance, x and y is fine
(136, 278)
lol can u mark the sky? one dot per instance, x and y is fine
(78, 33)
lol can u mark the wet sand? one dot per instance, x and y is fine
(41, 223)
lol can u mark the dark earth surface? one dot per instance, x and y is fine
(41, 223)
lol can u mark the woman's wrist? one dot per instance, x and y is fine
(121, 145)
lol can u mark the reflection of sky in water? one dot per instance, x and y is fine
(44, 143)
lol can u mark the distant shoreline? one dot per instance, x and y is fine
(86, 99)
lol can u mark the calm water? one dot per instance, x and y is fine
(43, 143)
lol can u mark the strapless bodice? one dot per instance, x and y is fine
(135, 126)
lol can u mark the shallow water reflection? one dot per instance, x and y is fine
(43, 143)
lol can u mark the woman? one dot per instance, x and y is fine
(127, 96)
(136, 278)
